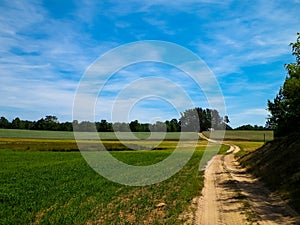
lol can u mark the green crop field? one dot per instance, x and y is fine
(15, 133)
(45, 180)
(265, 135)
(66, 135)
(42, 187)
(38, 144)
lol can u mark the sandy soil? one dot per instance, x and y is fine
(232, 196)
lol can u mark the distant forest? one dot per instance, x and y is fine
(196, 119)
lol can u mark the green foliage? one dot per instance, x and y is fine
(207, 118)
(173, 125)
(285, 108)
(104, 126)
(4, 123)
(250, 127)
(199, 119)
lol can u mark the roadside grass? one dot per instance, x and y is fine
(277, 165)
(44, 187)
(246, 147)
(265, 135)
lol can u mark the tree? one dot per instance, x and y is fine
(66, 126)
(28, 124)
(250, 127)
(86, 126)
(135, 126)
(285, 108)
(121, 127)
(51, 119)
(226, 119)
(4, 123)
(75, 125)
(216, 120)
(145, 127)
(104, 126)
(17, 124)
(47, 123)
(190, 120)
(173, 125)
(199, 119)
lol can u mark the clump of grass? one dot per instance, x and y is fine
(251, 215)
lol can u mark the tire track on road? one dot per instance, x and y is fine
(232, 196)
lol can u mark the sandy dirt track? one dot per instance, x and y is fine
(232, 196)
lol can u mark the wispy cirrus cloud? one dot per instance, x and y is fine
(248, 36)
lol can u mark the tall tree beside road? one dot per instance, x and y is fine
(285, 108)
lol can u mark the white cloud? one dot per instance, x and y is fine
(249, 35)
(258, 111)
(161, 25)
(254, 116)
(41, 98)
(42, 58)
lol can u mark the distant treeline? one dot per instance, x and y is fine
(196, 119)
(250, 127)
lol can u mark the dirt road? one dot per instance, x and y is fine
(232, 196)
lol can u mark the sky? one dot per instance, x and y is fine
(46, 47)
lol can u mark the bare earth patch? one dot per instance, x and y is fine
(232, 196)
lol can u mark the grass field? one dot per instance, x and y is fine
(230, 134)
(67, 135)
(38, 144)
(265, 135)
(42, 187)
(43, 180)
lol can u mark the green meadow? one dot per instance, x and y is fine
(243, 135)
(45, 180)
(44, 187)
(67, 135)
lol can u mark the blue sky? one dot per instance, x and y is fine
(46, 47)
